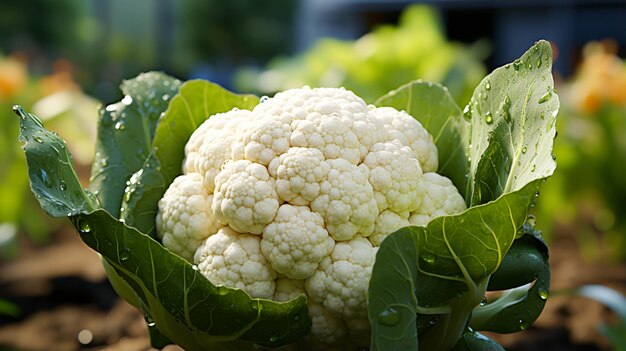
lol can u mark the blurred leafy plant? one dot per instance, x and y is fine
(586, 196)
(65, 109)
(380, 61)
(616, 302)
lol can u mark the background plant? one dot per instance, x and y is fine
(381, 60)
(585, 198)
(64, 108)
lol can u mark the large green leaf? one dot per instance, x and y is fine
(182, 304)
(503, 152)
(197, 101)
(52, 178)
(125, 133)
(513, 113)
(519, 307)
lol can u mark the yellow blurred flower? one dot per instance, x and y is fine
(13, 77)
(601, 77)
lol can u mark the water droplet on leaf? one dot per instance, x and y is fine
(389, 316)
(543, 294)
(524, 149)
(428, 257)
(46, 180)
(124, 255)
(488, 85)
(523, 325)
(488, 117)
(545, 97)
(38, 139)
(517, 64)
(62, 186)
(467, 112)
(84, 227)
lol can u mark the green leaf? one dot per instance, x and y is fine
(502, 151)
(125, 133)
(513, 113)
(52, 178)
(10, 309)
(432, 267)
(524, 262)
(475, 341)
(182, 303)
(197, 101)
(518, 308)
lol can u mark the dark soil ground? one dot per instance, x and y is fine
(67, 303)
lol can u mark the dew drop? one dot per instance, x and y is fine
(523, 325)
(488, 85)
(264, 99)
(46, 180)
(539, 62)
(151, 324)
(483, 301)
(545, 97)
(84, 227)
(194, 267)
(124, 255)
(543, 294)
(127, 100)
(488, 117)
(389, 316)
(428, 257)
(467, 112)
(165, 97)
(38, 139)
(506, 109)
(222, 290)
(62, 186)
(120, 125)
(542, 115)
(517, 64)
(553, 157)
(524, 149)
(532, 168)
(273, 338)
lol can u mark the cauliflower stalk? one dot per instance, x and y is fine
(296, 195)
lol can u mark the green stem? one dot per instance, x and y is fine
(450, 327)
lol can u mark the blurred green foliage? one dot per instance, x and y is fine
(586, 195)
(239, 30)
(382, 60)
(68, 111)
(39, 24)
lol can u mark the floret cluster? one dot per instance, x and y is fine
(295, 196)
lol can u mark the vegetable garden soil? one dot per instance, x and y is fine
(66, 299)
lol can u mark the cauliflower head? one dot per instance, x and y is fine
(295, 196)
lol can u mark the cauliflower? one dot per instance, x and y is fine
(295, 196)
(440, 198)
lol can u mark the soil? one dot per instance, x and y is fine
(67, 304)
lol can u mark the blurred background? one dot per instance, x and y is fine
(62, 59)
